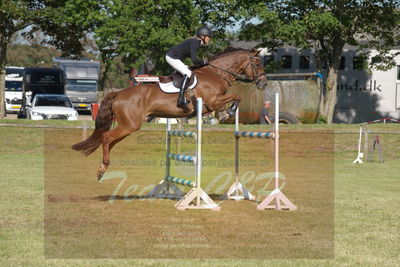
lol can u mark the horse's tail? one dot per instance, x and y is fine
(103, 124)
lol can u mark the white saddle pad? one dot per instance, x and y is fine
(169, 87)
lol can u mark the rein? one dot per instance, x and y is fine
(240, 77)
(227, 71)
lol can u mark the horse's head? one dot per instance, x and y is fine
(240, 65)
(253, 68)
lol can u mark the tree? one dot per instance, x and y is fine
(53, 17)
(76, 20)
(14, 16)
(325, 26)
(142, 32)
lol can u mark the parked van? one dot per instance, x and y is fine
(82, 81)
(40, 81)
(13, 88)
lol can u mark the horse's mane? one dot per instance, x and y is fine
(227, 51)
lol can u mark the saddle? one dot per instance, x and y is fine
(177, 79)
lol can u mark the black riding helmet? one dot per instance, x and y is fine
(203, 31)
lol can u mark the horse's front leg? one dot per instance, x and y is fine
(221, 100)
(233, 107)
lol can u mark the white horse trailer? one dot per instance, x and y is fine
(363, 94)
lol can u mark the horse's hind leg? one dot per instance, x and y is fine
(111, 138)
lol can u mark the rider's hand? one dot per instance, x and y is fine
(205, 62)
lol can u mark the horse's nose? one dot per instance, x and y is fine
(262, 82)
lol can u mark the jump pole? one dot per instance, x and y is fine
(281, 201)
(197, 198)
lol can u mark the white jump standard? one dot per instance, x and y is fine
(197, 198)
(360, 154)
(365, 131)
(238, 191)
(281, 201)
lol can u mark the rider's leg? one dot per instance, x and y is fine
(181, 101)
(184, 70)
(178, 65)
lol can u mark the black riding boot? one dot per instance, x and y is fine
(181, 102)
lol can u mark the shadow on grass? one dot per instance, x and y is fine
(119, 197)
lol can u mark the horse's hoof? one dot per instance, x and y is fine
(223, 115)
(99, 175)
(232, 109)
(100, 172)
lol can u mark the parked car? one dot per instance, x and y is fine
(51, 106)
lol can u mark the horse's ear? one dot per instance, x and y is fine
(255, 52)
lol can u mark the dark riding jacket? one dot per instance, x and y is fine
(186, 49)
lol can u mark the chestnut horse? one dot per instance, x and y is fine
(130, 106)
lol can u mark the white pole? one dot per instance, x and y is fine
(360, 154)
(359, 141)
(237, 146)
(237, 119)
(198, 141)
(276, 139)
(168, 150)
(84, 130)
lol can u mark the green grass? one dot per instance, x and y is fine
(367, 203)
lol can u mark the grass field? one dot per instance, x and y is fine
(54, 213)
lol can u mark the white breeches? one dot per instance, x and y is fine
(179, 66)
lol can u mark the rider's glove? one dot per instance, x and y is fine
(205, 62)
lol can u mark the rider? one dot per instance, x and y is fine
(188, 49)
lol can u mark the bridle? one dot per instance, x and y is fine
(242, 77)
(253, 68)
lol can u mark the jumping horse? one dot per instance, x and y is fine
(130, 106)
